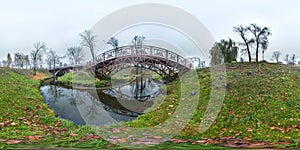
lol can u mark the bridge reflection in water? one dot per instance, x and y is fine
(141, 88)
(108, 106)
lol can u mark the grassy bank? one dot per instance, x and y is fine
(82, 79)
(85, 79)
(26, 120)
(262, 103)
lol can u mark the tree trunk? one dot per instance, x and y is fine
(257, 47)
(248, 48)
(34, 71)
(249, 53)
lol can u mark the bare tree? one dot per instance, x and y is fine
(114, 42)
(18, 60)
(49, 62)
(37, 54)
(4, 62)
(88, 40)
(75, 55)
(21, 60)
(27, 61)
(138, 41)
(290, 59)
(276, 55)
(242, 31)
(260, 38)
(293, 59)
(54, 58)
(9, 60)
(287, 58)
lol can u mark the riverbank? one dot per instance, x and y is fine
(84, 80)
(26, 121)
(261, 108)
(261, 104)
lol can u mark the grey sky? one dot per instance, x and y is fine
(58, 22)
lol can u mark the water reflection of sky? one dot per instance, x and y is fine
(79, 106)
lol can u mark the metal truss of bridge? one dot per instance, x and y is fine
(166, 63)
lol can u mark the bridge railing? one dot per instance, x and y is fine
(141, 50)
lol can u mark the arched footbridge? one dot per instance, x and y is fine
(168, 64)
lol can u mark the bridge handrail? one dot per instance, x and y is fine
(141, 50)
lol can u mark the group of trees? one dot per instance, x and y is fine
(289, 59)
(254, 40)
(37, 57)
(41, 53)
(224, 51)
(255, 37)
(21, 60)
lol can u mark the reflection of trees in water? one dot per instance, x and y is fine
(140, 87)
(92, 108)
(54, 93)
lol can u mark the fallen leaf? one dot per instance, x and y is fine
(33, 138)
(55, 132)
(157, 137)
(57, 123)
(116, 130)
(28, 123)
(96, 137)
(88, 136)
(13, 124)
(13, 142)
(121, 140)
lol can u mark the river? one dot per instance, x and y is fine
(104, 106)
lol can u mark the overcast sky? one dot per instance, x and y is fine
(58, 22)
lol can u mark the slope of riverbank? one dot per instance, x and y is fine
(25, 119)
(262, 104)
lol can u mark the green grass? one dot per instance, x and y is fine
(83, 79)
(24, 116)
(261, 106)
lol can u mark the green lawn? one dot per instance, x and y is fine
(26, 119)
(262, 103)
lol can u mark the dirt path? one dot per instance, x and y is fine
(39, 76)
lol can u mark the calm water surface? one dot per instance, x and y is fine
(106, 106)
